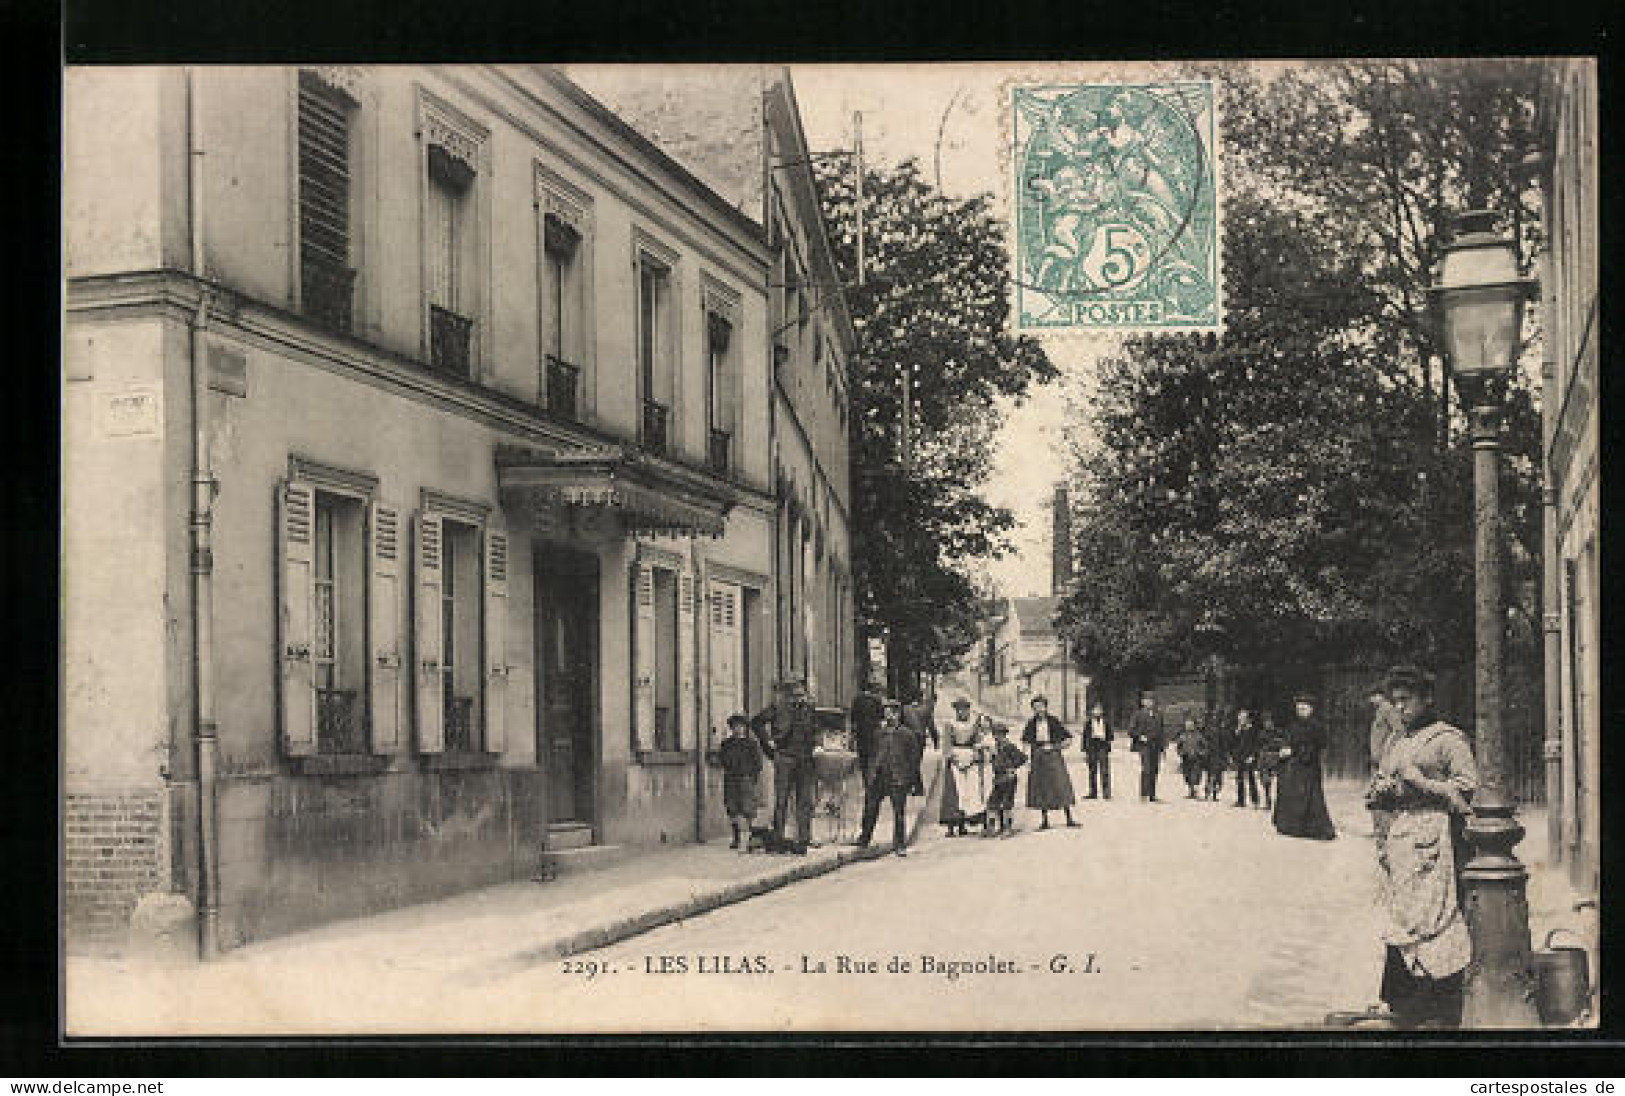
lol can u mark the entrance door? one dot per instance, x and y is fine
(567, 655)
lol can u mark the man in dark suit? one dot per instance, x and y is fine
(1244, 748)
(790, 743)
(1097, 750)
(1150, 738)
(892, 769)
(917, 717)
(866, 716)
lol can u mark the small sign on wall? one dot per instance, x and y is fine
(135, 411)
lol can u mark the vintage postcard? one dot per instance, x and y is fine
(572, 549)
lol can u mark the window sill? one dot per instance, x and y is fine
(341, 764)
(666, 757)
(436, 762)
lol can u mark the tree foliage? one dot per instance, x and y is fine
(933, 300)
(1288, 478)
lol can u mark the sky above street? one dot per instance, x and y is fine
(913, 111)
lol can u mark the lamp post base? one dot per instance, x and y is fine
(1499, 990)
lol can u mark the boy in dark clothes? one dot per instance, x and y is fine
(1007, 758)
(741, 761)
(1215, 755)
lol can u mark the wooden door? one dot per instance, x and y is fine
(567, 650)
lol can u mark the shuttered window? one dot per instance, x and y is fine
(327, 280)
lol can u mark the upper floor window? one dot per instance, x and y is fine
(722, 376)
(563, 319)
(453, 237)
(326, 169)
(657, 366)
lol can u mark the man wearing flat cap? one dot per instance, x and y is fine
(790, 743)
(890, 771)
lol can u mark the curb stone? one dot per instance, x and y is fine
(614, 932)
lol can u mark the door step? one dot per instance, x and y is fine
(568, 835)
(557, 862)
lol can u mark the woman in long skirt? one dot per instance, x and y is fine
(1424, 779)
(1300, 803)
(1049, 787)
(965, 783)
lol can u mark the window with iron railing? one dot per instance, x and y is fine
(327, 282)
(337, 632)
(461, 590)
(340, 728)
(450, 341)
(717, 452)
(655, 418)
(561, 382)
(460, 724)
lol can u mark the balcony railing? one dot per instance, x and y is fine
(655, 416)
(328, 292)
(562, 379)
(717, 453)
(339, 729)
(459, 724)
(450, 340)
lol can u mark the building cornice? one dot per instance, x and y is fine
(174, 296)
(670, 180)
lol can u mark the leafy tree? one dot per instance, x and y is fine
(933, 301)
(1288, 478)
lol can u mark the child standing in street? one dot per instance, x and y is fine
(1269, 757)
(1215, 754)
(741, 761)
(1191, 765)
(1007, 758)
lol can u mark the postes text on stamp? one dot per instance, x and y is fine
(1116, 207)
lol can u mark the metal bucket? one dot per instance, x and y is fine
(1562, 982)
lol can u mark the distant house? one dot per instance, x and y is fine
(1022, 656)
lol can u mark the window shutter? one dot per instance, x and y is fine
(496, 639)
(643, 657)
(687, 694)
(297, 536)
(429, 645)
(384, 610)
(725, 660)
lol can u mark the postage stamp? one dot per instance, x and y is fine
(1115, 198)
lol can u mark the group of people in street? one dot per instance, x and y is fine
(1419, 795)
(979, 786)
(1261, 755)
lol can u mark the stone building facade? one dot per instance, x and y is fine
(1571, 412)
(739, 128)
(421, 512)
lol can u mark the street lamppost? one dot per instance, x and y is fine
(1480, 297)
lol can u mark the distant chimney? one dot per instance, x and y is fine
(1061, 544)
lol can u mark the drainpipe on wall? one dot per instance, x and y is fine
(202, 558)
(702, 674)
(1550, 589)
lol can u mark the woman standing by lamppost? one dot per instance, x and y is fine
(1422, 784)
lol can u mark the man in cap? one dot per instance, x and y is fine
(866, 717)
(1149, 738)
(793, 735)
(890, 771)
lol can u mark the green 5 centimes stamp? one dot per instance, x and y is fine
(1116, 207)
